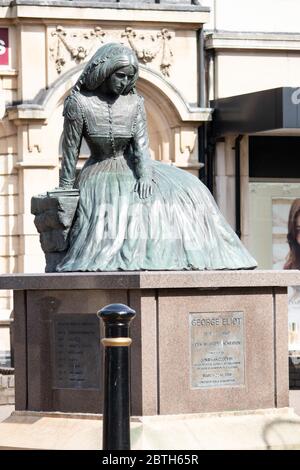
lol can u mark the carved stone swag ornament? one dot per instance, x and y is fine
(78, 45)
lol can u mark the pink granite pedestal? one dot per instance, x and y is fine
(161, 359)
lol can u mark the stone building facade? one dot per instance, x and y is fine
(43, 49)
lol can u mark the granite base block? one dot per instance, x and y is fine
(169, 374)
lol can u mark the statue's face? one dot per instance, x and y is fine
(120, 79)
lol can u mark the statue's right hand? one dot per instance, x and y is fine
(144, 187)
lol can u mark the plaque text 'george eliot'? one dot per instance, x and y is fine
(76, 352)
(217, 349)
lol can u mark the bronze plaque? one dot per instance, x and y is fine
(76, 351)
(217, 349)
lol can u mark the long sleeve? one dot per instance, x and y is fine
(73, 127)
(140, 143)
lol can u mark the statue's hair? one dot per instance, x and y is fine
(106, 61)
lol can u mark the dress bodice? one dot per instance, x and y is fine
(105, 119)
(106, 131)
(111, 130)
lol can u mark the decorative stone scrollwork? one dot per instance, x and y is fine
(77, 46)
(167, 53)
(161, 44)
(77, 53)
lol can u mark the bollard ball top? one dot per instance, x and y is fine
(115, 313)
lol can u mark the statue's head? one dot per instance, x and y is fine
(111, 62)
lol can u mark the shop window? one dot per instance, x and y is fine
(274, 157)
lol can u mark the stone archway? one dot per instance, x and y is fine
(159, 129)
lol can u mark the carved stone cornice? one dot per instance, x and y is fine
(231, 40)
(89, 10)
(30, 112)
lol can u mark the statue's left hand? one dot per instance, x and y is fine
(144, 187)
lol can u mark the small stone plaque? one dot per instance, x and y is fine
(217, 349)
(76, 352)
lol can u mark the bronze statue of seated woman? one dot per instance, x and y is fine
(132, 213)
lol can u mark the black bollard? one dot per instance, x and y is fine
(116, 412)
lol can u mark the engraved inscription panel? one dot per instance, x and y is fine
(217, 349)
(76, 352)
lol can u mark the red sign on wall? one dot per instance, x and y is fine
(4, 47)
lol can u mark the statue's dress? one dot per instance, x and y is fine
(178, 227)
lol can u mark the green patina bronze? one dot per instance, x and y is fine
(133, 213)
